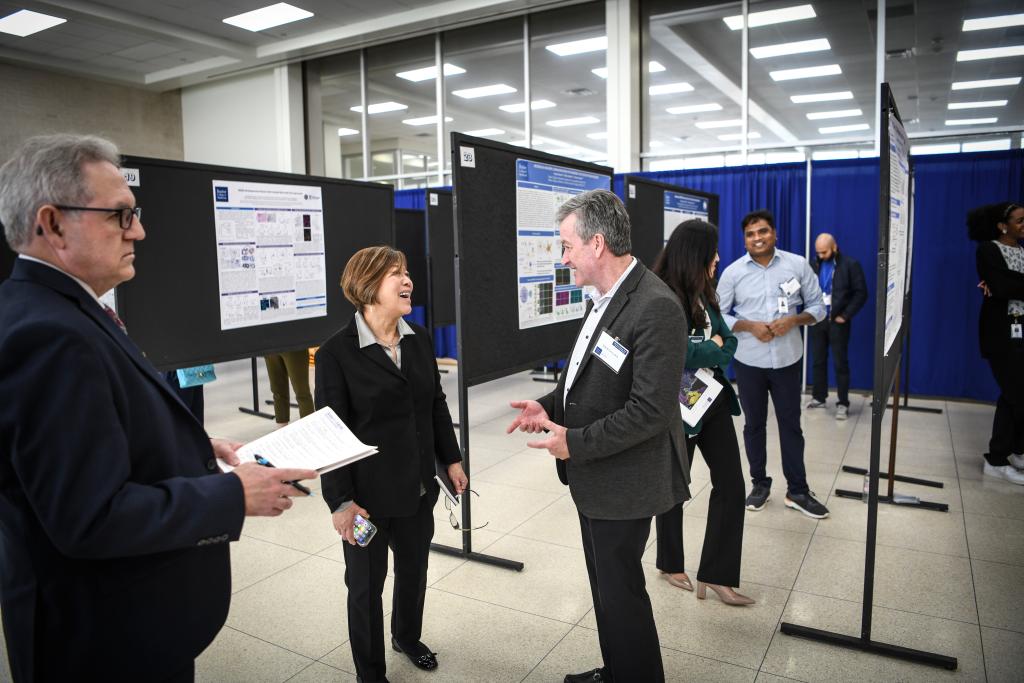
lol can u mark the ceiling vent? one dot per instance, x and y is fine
(579, 92)
(900, 53)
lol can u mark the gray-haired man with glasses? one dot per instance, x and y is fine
(114, 519)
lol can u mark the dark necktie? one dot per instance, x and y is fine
(113, 316)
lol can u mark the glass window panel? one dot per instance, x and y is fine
(784, 84)
(402, 113)
(332, 90)
(479, 56)
(692, 83)
(577, 124)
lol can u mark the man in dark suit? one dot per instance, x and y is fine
(114, 518)
(614, 426)
(844, 290)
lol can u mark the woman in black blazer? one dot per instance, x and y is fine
(998, 229)
(380, 376)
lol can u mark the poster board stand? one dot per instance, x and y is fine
(890, 322)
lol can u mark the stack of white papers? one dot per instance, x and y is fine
(320, 442)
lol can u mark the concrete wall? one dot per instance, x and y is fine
(141, 122)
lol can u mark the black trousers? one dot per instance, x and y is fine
(625, 620)
(830, 334)
(723, 536)
(365, 572)
(783, 385)
(1008, 423)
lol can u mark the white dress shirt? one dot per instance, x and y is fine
(589, 328)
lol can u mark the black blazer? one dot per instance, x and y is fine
(114, 519)
(1005, 284)
(401, 412)
(849, 290)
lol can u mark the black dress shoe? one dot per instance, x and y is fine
(595, 676)
(419, 654)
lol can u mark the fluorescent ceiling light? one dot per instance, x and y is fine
(652, 68)
(986, 145)
(784, 157)
(425, 120)
(799, 47)
(836, 114)
(723, 123)
(380, 107)
(485, 132)
(670, 88)
(695, 108)
(849, 128)
(1004, 21)
(26, 22)
(577, 121)
(990, 53)
(773, 16)
(806, 72)
(342, 132)
(268, 17)
(828, 154)
(598, 136)
(821, 97)
(578, 47)
(752, 135)
(484, 91)
(987, 83)
(970, 122)
(429, 73)
(537, 142)
(947, 148)
(977, 105)
(520, 107)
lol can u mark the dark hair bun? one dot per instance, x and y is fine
(982, 221)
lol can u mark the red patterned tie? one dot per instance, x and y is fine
(113, 316)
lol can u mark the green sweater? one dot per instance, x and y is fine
(707, 354)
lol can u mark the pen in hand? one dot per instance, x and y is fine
(260, 460)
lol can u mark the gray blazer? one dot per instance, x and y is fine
(626, 445)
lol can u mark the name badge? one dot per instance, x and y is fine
(611, 351)
(696, 338)
(1016, 331)
(783, 305)
(790, 288)
(827, 298)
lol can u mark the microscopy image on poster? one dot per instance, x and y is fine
(546, 291)
(681, 207)
(270, 253)
(899, 229)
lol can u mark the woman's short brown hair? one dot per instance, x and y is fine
(366, 270)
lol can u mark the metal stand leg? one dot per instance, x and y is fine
(255, 410)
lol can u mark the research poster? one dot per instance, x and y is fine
(681, 207)
(270, 253)
(546, 291)
(899, 229)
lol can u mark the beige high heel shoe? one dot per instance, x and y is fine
(683, 583)
(725, 594)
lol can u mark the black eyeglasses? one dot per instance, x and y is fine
(451, 515)
(124, 215)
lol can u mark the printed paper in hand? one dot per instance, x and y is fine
(697, 391)
(320, 441)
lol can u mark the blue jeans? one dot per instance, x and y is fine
(783, 385)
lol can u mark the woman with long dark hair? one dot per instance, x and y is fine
(998, 229)
(687, 264)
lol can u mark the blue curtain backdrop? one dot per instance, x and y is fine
(445, 340)
(945, 360)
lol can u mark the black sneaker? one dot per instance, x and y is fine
(805, 503)
(759, 497)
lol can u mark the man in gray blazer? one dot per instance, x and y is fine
(614, 426)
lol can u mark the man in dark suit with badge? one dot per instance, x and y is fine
(614, 426)
(114, 517)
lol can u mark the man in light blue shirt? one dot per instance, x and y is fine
(761, 295)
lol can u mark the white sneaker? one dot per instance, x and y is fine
(1017, 461)
(1007, 472)
(815, 403)
(842, 412)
